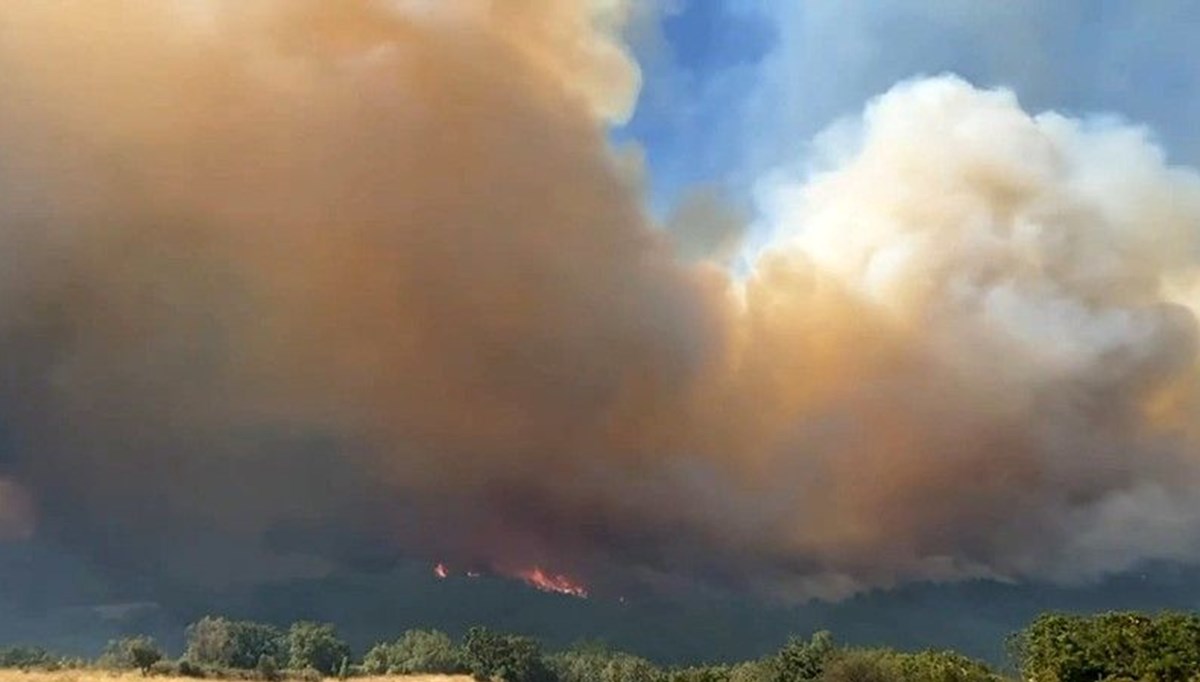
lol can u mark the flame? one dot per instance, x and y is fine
(534, 577)
(547, 582)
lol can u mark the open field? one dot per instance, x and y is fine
(104, 676)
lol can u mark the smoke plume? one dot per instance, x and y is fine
(291, 285)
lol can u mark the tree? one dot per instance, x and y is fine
(942, 666)
(316, 646)
(701, 673)
(594, 662)
(753, 671)
(417, 651)
(626, 668)
(252, 641)
(801, 660)
(233, 644)
(209, 641)
(861, 665)
(138, 652)
(504, 657)
(1117, 645)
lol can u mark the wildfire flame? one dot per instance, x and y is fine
(534, 577)
(548, 582)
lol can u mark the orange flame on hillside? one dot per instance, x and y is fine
(547, 582)
(441, 571)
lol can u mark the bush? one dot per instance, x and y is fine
(316, 646)
(24, 657)
(268, 668)
(189, 669)
(165, 668)
(307, 675)
(417, 651)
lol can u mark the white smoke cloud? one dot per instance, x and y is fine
(1026, 261)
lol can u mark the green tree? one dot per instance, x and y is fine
(626, 668)
(316, 646)
(138, 652)
(753, 671)
(417, 651)
(209, 641)
(593, 662)
(861, 665)
(941, 666)
(1117, 645)
(233, 644)
(252, 641)
(511, 658)
(801, 660)
(701, 673)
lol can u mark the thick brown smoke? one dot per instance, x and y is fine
(293, 284)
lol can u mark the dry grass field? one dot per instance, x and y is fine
(102, 676)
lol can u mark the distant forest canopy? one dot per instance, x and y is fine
(1055, 647)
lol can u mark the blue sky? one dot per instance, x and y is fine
(734, 88)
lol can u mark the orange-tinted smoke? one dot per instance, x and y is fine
(292, 285)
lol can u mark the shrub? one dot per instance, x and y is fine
(268, 668)
(307, 675)
(189, 669)
(24, 657)
(165, 668)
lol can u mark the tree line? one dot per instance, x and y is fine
(1115, 646)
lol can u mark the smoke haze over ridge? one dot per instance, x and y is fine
(300, 286)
